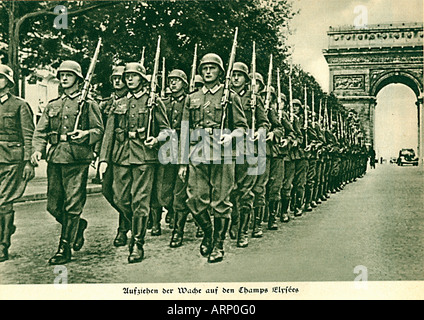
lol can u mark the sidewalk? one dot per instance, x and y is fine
(37, 187)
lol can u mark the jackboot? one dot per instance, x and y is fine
(243, 238)
(235, 223)
(170, 216)
(257, 222)
(79, 239)
(180, 219)
(121, 238)
(156, 219)
(139, 228)
(298, 205)
(69, 230)
(285, 201)
(308, 200)
(221, 226)
(6, 230)
(272, 209)
(203, 219)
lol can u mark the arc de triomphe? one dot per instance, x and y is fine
(362, 61)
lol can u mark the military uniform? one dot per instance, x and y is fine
(106, 107)
(169, 190)
(245, 173)
(68, 162)
(211, 170)
(133, 163)
(16, 130)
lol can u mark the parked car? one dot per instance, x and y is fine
(407, 156)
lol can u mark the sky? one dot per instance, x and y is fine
(309, 38)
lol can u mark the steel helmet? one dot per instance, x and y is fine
(198, 79)
(258, 78)
(117, 71)
(8, 73)
(136, 67)
(271, 89)
(70, 66)
(177, 73)
(211, 58)
(241, 67)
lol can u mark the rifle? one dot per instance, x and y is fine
(313, 109)
(142, 56)
(268, 85)
(291, 93)
(152, 95)
(193, 70)
(326, 115)
(253, 85)
(320, 113)
(86, 86)
(279, 101)
(305, 114)
(226, 93)
(162, 91)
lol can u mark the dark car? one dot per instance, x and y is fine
(407, 156)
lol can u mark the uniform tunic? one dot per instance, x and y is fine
(16, 130)
(68, 160)
(123, 147)
(211, 167)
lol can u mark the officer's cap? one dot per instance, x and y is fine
(8, 73)
(177, 73)
(70, 66)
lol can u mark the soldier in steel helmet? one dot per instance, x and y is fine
(106, 107)
(132, 151)
(211, 168)
(245, 179)
(16, 130)
(169, 190)
(68, 157)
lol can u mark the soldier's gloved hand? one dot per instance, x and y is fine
(150, 142)
(102, 169)
(226, 139)
(35, 158)
(79, 136)
(29, 172)
(182, 173)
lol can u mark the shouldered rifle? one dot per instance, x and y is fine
(268, 86)
(142, 56)
(153, 86)
(305, 122)
(291, 93)
(279, 101)
(163, 89)
(313, 109)
(87, 83)
(253, 89)
(193, 71)
(226, 94)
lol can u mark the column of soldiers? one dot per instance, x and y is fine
(305, 157)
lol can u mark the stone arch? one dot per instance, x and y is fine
(397, 76)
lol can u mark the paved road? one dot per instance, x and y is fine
(376, 222)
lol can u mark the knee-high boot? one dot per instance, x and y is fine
(6, 230)
(272, 209)
(156, 219)
(285, 202)
(242, 240)
(139, 228)
(257, 222)
(221, 226)
(204, 221)
(70, 224)
(180, 218)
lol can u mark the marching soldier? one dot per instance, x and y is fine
(242, 195)
(68, 157)
(106, 108)
(130, 149)
(170, 190)
(211, 169)
(16, 130)
(294, 168)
